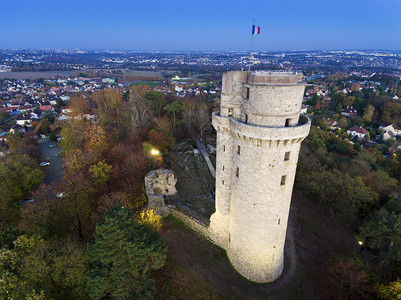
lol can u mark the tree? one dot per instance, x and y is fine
(95, 141)
(349, 279)
(4, 116)
(157, 139)
(339, 108)
(348, 101)
(18, 175)
(139, 106)
(45, 126)
(71, 134)
(77, 206)
(100, 172)
(149, 218)
(53, 137)
(158, 100)
(342, 196)
(368, 113)
(202, 118)
(121, 257)
(56, 268)
(48, 115)
(79, 106)
(188, 112)
(383, 232)
(389, 291)
(76, 160)
(173, 108)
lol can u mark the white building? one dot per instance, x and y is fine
(357, 131)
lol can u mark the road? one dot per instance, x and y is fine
(54, 170)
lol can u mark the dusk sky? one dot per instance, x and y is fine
(201, 25)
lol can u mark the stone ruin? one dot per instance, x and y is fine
(159, 184)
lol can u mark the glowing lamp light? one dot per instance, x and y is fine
(360, 243)
(154, 152)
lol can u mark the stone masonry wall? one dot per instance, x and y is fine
(257, 155)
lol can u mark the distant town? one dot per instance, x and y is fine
(67, 60)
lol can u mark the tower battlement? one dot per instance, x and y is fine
(259, 133)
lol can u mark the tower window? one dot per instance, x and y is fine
(230, 112)
(278, 222)
(224, 148)
(223, 168)
(222, 182)
(238, 149)
(287, 156)
(283, 180)
(287, 122)
(237, 172)
(246, 93)
(246, 118)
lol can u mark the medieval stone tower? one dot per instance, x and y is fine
(259, 133)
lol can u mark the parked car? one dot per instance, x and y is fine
(52, 145)
(44, 164)
(60, 195)
(25, 201)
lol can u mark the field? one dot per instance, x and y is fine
(38, 74)
(197, 269)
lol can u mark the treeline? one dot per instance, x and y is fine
(90, 235)
(360, 190)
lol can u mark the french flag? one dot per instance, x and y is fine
(255, 29)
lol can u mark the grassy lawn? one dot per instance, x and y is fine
(197, 269)
(194, 183)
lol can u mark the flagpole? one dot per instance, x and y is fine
(250, 53)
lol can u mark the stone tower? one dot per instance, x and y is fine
(259, 133)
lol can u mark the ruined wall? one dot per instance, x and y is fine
(160, 183)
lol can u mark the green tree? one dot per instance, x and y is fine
(53, 137)
(57, 268)
(383, 232)
(48, 115)
(342, 196)
(18, 175)
(72, 135)
(158, 100)
(173, 108)
(121, 257)
(100, 172)
(339, 108)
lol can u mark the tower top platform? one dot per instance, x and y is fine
(276, 77)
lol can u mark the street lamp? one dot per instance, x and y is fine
(154, 152)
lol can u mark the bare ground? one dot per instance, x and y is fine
(197, 269)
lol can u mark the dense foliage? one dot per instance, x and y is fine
(121, 257)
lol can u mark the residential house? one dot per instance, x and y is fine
(357, 131)
(390, 131)
(332, 124)
(349, 111)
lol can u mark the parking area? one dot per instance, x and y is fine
(54, 170)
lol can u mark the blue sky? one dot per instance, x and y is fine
(201, 24)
